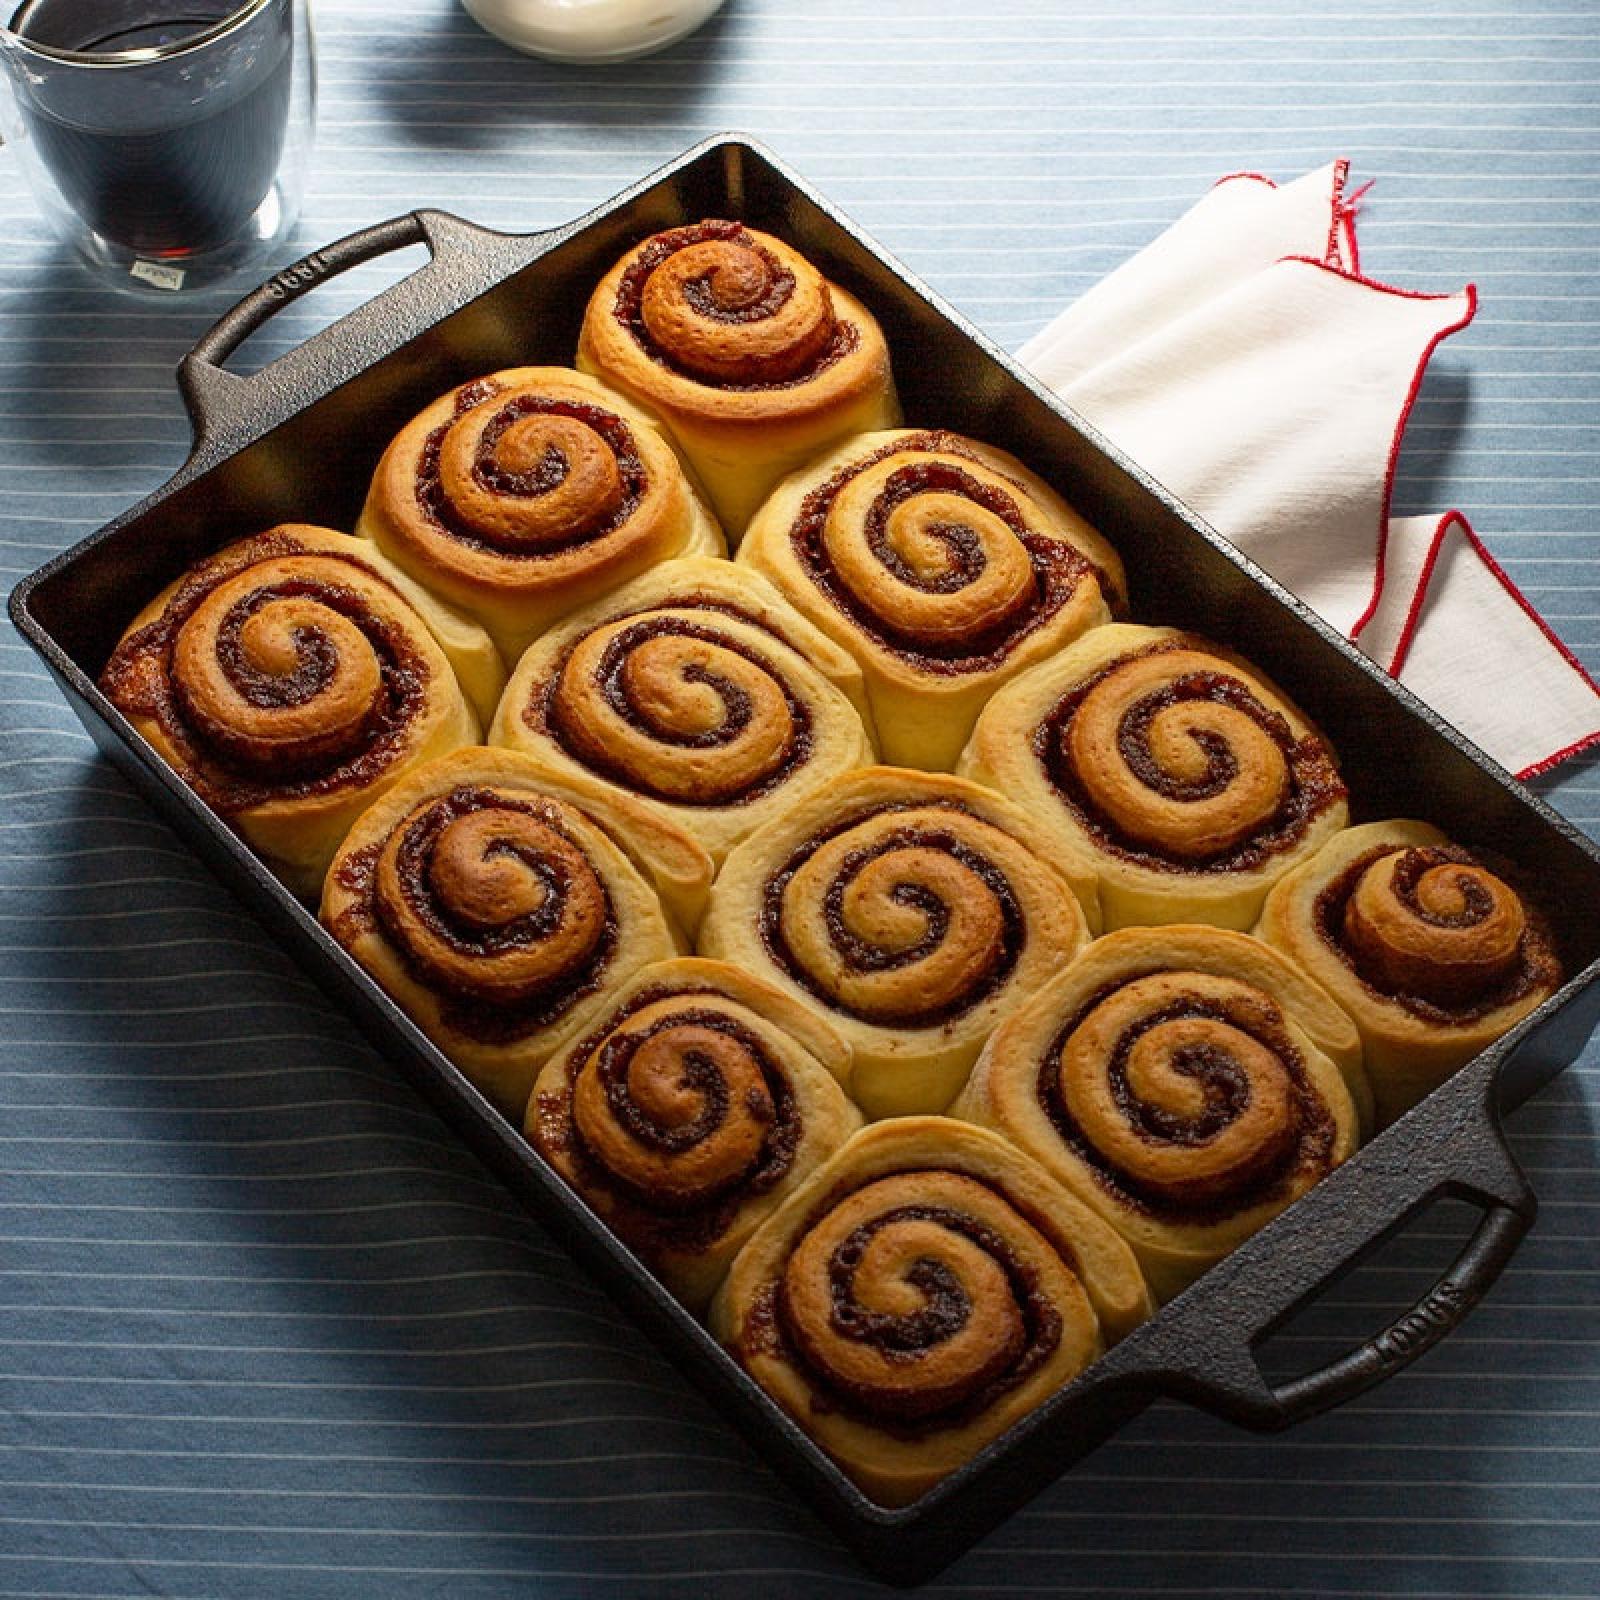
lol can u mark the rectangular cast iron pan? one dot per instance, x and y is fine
(298, 441)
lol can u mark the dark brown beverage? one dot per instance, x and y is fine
(174, 155)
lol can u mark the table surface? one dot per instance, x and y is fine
(265, 1330)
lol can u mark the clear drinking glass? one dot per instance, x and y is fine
(166, 142)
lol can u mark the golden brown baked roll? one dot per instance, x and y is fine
(697, 689)
(696, 1103)
(526, 493)
(1188, 1083)
(289, 680)
(752, 358)
(501, 905)
(908, 906)
(1167, 766)
(1432, 953)
(919, 1294)
(943, 565)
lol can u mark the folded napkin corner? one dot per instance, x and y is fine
(1246, 361)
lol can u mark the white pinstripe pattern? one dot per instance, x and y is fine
(266, 1330)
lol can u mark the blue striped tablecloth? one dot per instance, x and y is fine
(266, 1331)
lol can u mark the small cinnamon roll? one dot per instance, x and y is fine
(1188, 1083)
(698, 690)
(943, 565)
(1433, 953)
(528, 492)
(909, 907)
(696, 1103)
(919, 1294)
(1168, 767)
(292, 678)
(752, 358)
(500, 905)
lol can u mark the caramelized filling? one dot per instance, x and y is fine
(855, 953)
(909, 1400)
(778, 287)
(474, 1014)
(1298, 1141)
(1533, 965)
(544, 477)
(1314, 782)
(551, 708)
(1058, 568)
(229, 770)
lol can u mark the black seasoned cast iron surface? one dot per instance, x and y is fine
(489, 300)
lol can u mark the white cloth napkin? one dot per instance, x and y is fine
(1246, 363)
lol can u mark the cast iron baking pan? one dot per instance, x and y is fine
(486, 300)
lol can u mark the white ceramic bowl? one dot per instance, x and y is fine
(590, 30)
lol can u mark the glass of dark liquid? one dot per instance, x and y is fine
(167, 140)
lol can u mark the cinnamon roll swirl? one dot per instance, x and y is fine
(1433, 953)
(943, 565)
(1187, 1083)
(501, 905)
(911, 909)
(752, 358)
(693, 1107)
(922, 1292)
(697, 689)
(525, 493)
(1167, 766)
(289, 680)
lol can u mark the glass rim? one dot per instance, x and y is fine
(144, 54)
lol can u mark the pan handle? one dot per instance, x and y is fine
(464, 260)
(1450, 1146)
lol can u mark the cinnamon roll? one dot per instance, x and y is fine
(697, 689)
(912, 910)
(943, 565)
(1433, 953)
(289, 680)
(752, 358)
(523, 494)
(1187, 1083)
(501, 905)
(693, 1107)
(922, 1292)
(1170, 768)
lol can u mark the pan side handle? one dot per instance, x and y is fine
(1450, 1146)
(226, 408)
